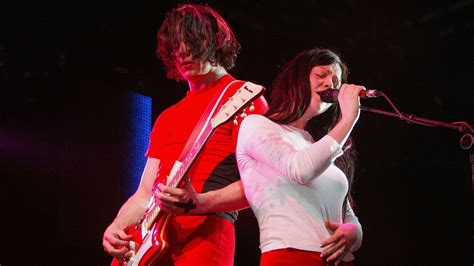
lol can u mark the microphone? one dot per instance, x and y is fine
(330, 95)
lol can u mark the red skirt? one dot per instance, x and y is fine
(291, 256)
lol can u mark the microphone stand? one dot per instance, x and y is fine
(463, 127)
(460, 126)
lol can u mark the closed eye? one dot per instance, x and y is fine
(319, 75)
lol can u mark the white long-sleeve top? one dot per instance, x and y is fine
(292, 185)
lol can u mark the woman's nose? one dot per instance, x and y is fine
(328, 83)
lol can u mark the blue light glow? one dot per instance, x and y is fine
(140, 126)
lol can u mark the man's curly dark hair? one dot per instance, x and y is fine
(203, 31)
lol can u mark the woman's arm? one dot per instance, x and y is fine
(263, 140)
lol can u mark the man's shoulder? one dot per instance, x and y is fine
(169, 111)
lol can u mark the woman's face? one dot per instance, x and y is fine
(322, 78)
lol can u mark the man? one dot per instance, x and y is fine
(198, 47)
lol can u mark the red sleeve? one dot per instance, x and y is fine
(156, 137)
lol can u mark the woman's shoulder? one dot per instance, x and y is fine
(256, 121)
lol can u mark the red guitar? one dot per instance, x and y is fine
(149, 241)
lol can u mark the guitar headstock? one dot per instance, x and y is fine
(236, 102)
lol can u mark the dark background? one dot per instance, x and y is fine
(65, 69)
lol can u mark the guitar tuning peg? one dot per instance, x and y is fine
(243, 114)
(252, 107)
(236, 122)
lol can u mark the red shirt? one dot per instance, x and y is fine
(215, 166)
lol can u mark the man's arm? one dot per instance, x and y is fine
(186, 200)
(229, 198)
(134, 208)
(115, 240)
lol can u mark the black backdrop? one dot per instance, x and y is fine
(65, 68)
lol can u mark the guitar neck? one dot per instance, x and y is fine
(176, 175)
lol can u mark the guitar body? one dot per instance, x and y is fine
(149, 249)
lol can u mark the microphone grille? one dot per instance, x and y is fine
(329, 95)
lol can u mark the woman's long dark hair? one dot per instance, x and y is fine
(203, 30)
(290, 96)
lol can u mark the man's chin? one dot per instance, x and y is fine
(187, 74)
(192, 74)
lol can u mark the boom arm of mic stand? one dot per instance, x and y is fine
(465, 142)
(418, 120)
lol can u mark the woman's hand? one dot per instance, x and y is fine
(341, 241)
(349, 103)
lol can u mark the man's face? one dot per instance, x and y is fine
(189, 67)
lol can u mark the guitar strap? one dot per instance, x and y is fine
(202, 124)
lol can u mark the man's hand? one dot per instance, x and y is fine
(341, 241)
(116, 242)
(179, 201)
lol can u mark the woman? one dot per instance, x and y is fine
(286, 160)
